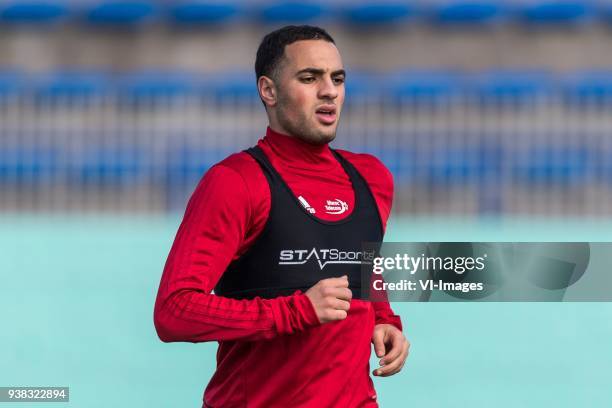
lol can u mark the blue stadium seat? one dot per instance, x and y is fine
(187, 163)
(12, 82)
(377, 13)
(467, 12)
(202, 12)
(238, 87)
(27, 164)
(588, 89)
(503, 87)
(23, 164)
(292, 11)
(361, 86)
(603, 164)
(120, 12)
(73, 84)
(33, 11)
(109, 165)
(454, 165)
(399, 159)
(157, 84)
(553, 12)
(550, 165)
(417, 87)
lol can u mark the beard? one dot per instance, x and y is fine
(297, 125)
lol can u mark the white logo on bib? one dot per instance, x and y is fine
(336, 207)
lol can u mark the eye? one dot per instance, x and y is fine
(339, 80)
(307, 80)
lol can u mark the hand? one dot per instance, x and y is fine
(331, 298)
(390, 344)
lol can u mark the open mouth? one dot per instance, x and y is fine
(326, 114)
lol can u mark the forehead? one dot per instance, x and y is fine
(312, 54)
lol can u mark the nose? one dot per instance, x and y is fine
(328, 89)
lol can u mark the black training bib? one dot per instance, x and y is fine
(295, 249)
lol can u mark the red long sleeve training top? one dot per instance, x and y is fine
(257, 360)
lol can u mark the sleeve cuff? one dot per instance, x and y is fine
(392, 320)
(294, 313)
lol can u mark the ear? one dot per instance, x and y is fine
(267, 90)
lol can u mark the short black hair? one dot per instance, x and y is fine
(272, 47)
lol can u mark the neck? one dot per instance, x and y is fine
(291, 149)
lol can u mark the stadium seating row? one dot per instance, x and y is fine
(358, 13)
(185, 164)
(419, 86)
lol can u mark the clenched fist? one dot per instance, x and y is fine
(331, 298)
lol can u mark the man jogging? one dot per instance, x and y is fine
(276, 232)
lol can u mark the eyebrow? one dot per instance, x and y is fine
(318, 71)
